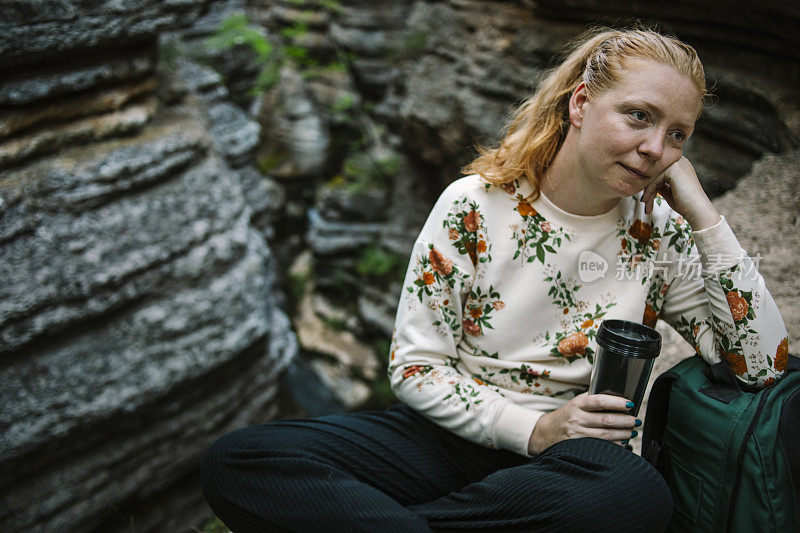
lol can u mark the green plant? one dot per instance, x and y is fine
(378, 263)
(169, 50)
(361, 170)
(342, 105)
(335, 323)
(214, 525)
(331, 5)
(296, 30)
(273, 160)
(298, 283)
(236, 30)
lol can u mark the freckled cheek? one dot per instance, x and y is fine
(620, 143)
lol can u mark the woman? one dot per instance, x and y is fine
(495, 331)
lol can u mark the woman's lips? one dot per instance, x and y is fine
(635, 172)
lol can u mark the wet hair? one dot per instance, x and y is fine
(538, 126)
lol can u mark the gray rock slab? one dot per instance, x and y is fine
(50, 27)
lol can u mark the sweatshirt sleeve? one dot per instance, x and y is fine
(717, 300)
(429, 325)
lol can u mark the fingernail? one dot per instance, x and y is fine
(634, 433)
(637, 423)
(629, 405)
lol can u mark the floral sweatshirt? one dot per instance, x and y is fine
(503, 298)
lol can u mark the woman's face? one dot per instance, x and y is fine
(630, 133)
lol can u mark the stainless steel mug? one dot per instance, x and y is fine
(625, 355)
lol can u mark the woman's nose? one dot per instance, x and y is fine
(652, 146)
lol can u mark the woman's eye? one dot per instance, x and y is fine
(679, 136)
(639, 115)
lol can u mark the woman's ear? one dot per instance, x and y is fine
(577, 105)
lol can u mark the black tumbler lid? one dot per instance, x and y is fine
(629, 338)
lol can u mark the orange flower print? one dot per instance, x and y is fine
(769, 381)
(573, 344)
(737, 363)
(470, 247)
(782, 355)
(440, 263)
(641, 231)
(453, 233)
(589, 323)
(650, 316)
(428, 278)
(478, 381)
(471, 221)
(508, 187)
(481, 246)
(624, 244)
(546, 227)
(476, 312)
(656, 244)
(737, 304)
(414, 369)
(472, 328)
(695, 330)
(525, 209)
(566, 310)
(446, 302)
(498, 305)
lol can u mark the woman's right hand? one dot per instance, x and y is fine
(584, 416)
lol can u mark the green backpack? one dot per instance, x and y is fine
(731, 456)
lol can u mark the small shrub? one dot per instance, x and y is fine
(236, 30)
(169, 50)
(273, 160)
(361, 171)
(380, 264)
(214, 525)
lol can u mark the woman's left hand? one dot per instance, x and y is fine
(679, 186)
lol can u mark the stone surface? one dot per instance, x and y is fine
(324, 337)
(329, 237)
(126, 120)
(140, 311)
(59, 80)
(48, 28)
(140, 314)
(764, 213)
(101, 101)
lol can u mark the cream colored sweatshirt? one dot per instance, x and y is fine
(503, 299)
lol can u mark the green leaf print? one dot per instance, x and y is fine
(679, 233)
(535, 236)
(479, 309)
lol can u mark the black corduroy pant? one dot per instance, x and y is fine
(395, 471)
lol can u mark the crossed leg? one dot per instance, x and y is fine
(395, 471)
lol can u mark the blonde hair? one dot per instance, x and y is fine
(539, 125)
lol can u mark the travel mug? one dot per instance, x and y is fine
(625, 355)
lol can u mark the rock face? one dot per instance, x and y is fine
(430, 79)
(139, 309)
(142, 249)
